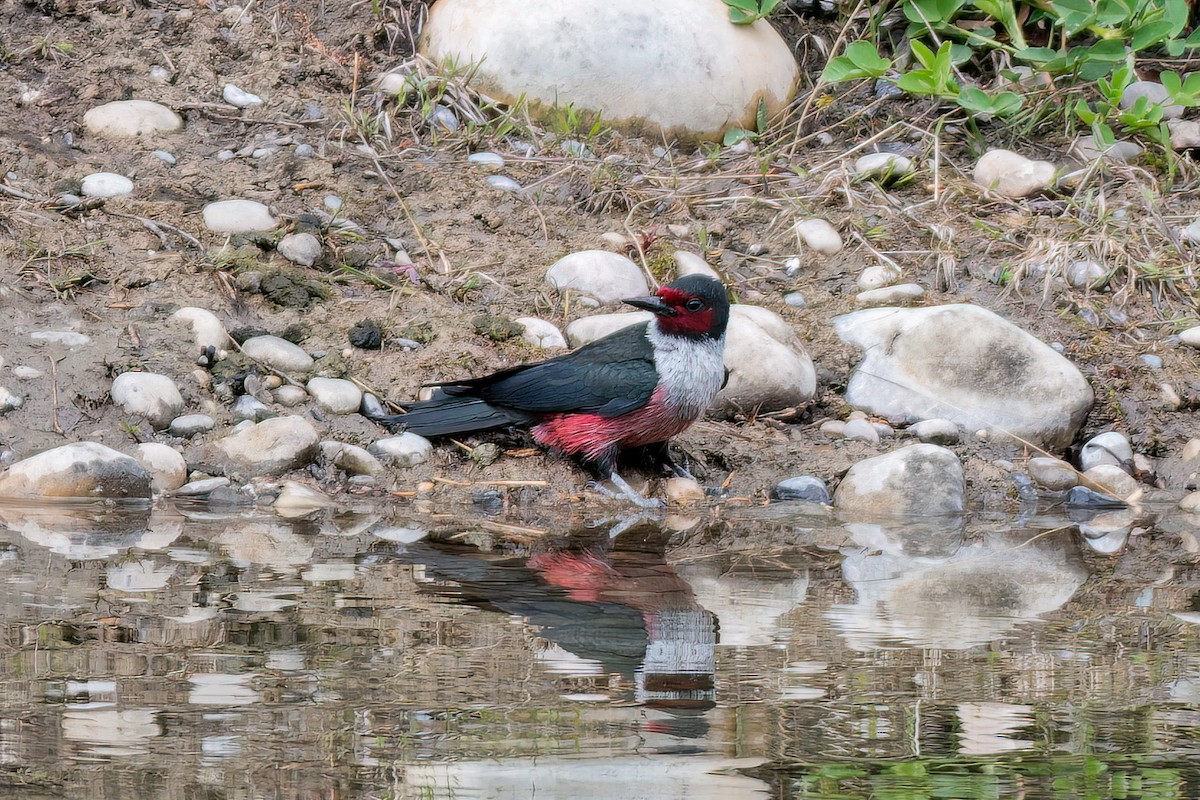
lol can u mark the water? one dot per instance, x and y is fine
(217, 654)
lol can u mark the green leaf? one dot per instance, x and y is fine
(918, 82)
(1171, 82)
(1036, 55)
(922, 54)
(736, 136)
(865, 57)
(860, 61)
(1150, 34)
(1007, 103)
(1104, 136)
(975, 100)
(1084, 111)
(1107, 50)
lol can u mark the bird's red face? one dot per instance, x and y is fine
(679, 313)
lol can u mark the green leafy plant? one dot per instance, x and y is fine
(747, 12)
(860, 60)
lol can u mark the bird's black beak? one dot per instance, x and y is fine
(652, 303)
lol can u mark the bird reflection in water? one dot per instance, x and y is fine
(623, 609)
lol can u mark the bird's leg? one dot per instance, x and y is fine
(608, 465)
(661, 453)
(631, 494)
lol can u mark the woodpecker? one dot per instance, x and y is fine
(636, 387)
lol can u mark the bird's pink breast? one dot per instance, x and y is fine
(593, 436)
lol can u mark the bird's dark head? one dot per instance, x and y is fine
(692, 306)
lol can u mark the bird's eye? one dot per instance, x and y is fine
(695, 304)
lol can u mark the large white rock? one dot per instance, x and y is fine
(270, 447)
(238, 216)
(125, 119)
(691, 264)
(765, 374)
(1012, 174)
(145, 394)
(676, 65)
(81, 469)
(607, 277)
(965, 364)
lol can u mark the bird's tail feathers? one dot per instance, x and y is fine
(447, 416)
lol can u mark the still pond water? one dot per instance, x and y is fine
(209, 654)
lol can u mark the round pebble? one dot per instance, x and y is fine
(794, 299)
(404, 450)
(486, 160)
(300, 248)
(277, 354)
(860, 430)
(106, 184)
(238, 216)
(898, 295)
(503, 183)
(936, 431)
(190, 425)
(289, 396)
(335, 395)
(240, 97)
(819, 235)
(250, 408)
(164, 156)
(883, 167)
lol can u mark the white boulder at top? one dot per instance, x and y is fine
(678, 66)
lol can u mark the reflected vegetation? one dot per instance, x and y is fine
(192, 652)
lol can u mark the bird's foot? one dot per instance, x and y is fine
(625, 492)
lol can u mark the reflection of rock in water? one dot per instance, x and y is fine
(628, 778)
(990, 728)
(111, 732)
(269, 543)
(966, 599)
(80, 531)
(747, 601)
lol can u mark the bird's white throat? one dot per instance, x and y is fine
(690, 370)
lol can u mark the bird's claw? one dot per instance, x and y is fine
(626, 492)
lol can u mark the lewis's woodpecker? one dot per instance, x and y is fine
(636, 387)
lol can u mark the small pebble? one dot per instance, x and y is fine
(820, 236)
(304, 151)
(503, 183)
(794, 299)
(900, 294)
(486, 160)
(164, 156)
(248, 407)
(860, 430)
(443, 119)
(877, 277)
(1012, 175)
(201, 487)
(290, 396)
(1052, 473)
(405, 450)
(883, 167)
(190, 425)
(1151, 361)
(239, 97)
(106, 184)
(69, 339)
(9, 401)
(803, 487)
(936, 431)
(300, 248)
(277, 353)
(335, 395)
(683, 491)
(1086, 275)
(25, 373)
(833, 428)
